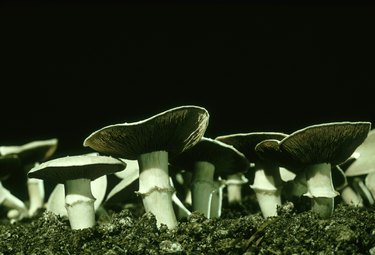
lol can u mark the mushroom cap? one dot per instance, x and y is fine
(131, 166)
(32, 152)
(76, 167)
(174, 131)
(269, 150)
(365, 161)
(226, 158)
(246, 142)
(8, 164)
(325, 143)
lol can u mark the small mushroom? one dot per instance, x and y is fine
(35, 151)
(267, 183)
(8, 164)
(344, 184)
(76, 173)
(361, 165)
(364, 157)
(208, 160)
(234, 183)
(30, 154)
(56, 200)
(153, 142)
(314, 150)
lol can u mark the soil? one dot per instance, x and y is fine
(126, 229)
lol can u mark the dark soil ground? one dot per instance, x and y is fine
(240, 230)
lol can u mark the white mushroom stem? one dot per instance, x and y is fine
(202, 187)
(361, 188)
(234, 185)
(320, 189)
(79, 203)
(350, 197)
(216, 198)
(36, 193)
(11, 202)
(267, 188)
(155, 188)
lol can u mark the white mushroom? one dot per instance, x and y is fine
(153, 142)
(76, 173)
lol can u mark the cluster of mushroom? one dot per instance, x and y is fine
(152, 142)
(170, 150)
(311, 153)
(21, 158)
(359, 171)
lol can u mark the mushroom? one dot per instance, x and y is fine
(361, 165)
(363, 161)
(153, 142)
(8, 164)
(344, 184)
(124, 188)
(30, 154)
(313, 151)
(56, 200)
(267, 180)
(76, 173)
(208, 160)
(234, 183)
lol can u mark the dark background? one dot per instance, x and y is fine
(69, 69)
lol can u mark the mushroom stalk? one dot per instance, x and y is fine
(36, 193)
(361, 188)
(79, 202)
(320, 189)
(216, 199)
(234, 184)
(350, 197)
(11, 202)
(267, 188)
(202, 187)
(155, 188)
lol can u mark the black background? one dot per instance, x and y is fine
(69, 68)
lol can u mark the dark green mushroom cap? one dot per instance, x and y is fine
(269, 150)
(174, 131)
(8, 165)
(325, 143)
(226, 159)
(90, 167)
(30, 153)
(246, 142)
(364, 163)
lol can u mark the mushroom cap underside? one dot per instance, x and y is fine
(246, 142)
(364, 163)
(76, 167)
(226, 158)
(174, 131)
